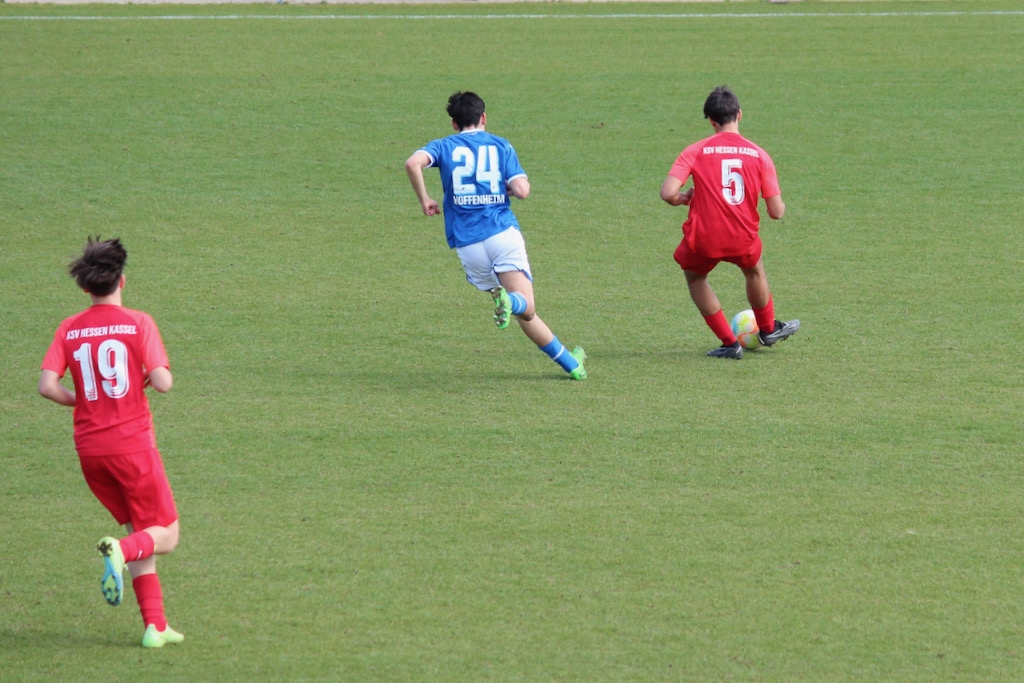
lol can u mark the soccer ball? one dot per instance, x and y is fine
(744, 326)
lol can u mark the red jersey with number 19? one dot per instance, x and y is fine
(109, 349)
(729, 173)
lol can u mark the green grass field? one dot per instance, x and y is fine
(376, 485)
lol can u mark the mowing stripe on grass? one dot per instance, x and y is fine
(414, 17)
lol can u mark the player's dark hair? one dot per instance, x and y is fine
(722, 105)
(98, 270)
(465, 108)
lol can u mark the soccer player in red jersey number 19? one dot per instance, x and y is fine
(729, 174)
(113, 353)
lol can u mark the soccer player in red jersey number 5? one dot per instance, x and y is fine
(729, 173)
(113, 353)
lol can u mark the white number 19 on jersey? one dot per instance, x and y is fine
(112, 364)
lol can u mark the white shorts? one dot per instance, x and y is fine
(501, 253)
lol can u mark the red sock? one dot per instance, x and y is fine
(151, 600)
(766, 317)
(137, 546)
(721, 327)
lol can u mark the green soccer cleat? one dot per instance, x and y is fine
(502, 307)
(112, 583)
(154, 638)
(580, 355)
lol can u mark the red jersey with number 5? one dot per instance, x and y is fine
(729, 173)
(110, 350)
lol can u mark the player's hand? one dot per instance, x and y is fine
(431, 208)
(685, 197)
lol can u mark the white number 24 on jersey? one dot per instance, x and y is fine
(732, 181)
(483, 166)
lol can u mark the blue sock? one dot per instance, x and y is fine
(560, 355)
(518, 303)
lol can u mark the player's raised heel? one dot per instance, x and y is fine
(502, 307)
(783, 330)
(735, 351)
(154, 638)
(112, 583)
(580, 355)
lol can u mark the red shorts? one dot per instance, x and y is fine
(133, 487)
(702, 265)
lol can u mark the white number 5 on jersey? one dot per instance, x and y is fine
(732, 181)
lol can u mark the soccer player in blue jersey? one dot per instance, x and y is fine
(479, 174)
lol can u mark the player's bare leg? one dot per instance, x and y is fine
(147, 586)
(711, 309)
(115, 559)
(759, 295)
(703, 296)
(531, 324)
(165, 538)
(537, 330)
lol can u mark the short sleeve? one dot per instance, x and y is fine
(433, 150)
(513, 169)
(684, 163)
(55, 358)
(769, 178)
(153, 353)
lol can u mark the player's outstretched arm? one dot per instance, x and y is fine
(414, 166)
(51, 388)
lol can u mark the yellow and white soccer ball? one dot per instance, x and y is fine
(744, 326)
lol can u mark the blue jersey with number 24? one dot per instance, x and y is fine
(475, 169)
